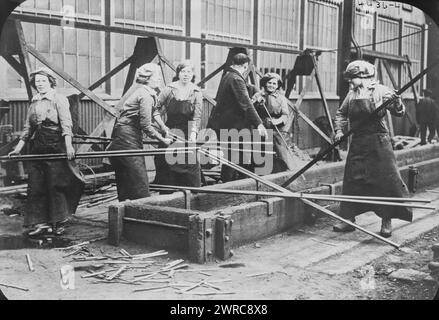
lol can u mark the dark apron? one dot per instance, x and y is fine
(179, 113)
(131, 174)
(371, 168)
(54, 187)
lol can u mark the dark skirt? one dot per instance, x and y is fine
(131, 174)
(54, 187)
(371, 170)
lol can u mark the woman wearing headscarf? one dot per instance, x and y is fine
(371, 168)
(134, 113)
(272, 107)
(54, 187)
(181, 102)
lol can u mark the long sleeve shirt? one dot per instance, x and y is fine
(195, 97)
(51, 106)
(140, 100)
(378, 93)
(276, 104)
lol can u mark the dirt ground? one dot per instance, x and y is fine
(246, 276)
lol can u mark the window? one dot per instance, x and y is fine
(412, 46)
(322, 33)
(152, 15)
(280, 28)
(226, 20)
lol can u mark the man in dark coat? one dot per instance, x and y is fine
(427, 116)
(234, 109)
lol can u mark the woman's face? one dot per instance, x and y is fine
(271, 85)
(354, 83)
(185, 75)
(42, 83)
(154, 81)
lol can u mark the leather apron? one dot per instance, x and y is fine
(179, 113)
(371, 168)
(54, 187)
(131, 174)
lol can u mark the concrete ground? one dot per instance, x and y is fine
(310, 262)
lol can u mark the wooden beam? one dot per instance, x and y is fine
(322, 94)
(106, 125)
(143, 33)
(24, 57)
(211, 75)
(108, 75)
(16, 65)
(72, 81)
(381, 55)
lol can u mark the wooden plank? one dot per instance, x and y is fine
(115, 224)
(223, 237)
(72, 81)
(196, 236)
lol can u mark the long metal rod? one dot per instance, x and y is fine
(372, 116)
(286, 191)
(293, 195)
(333, 215)
(98, 154)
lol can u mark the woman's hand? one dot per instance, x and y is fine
(70, 152)
(165, 130)
(193, 137)
(338, 136)
(17, 149)
(69, 147)
(166, 141)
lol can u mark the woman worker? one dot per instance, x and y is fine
(54, 187)
(134, 113)
(272, 107)
(371, 168)
(181, 102)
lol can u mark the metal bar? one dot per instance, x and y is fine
(286, 191)
(143, 33)
(108, 75)
(333, 215)
(352, 130)
(293, 195)
(156, 223)
(99, 154)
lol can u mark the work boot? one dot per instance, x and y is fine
(386, 227)
(343, 226)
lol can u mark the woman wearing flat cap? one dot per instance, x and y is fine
(371, 168)
(54, 187)
(134, 113)
(272, 100)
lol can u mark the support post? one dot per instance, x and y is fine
(116, 214)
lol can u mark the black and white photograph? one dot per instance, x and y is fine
(219, 155)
